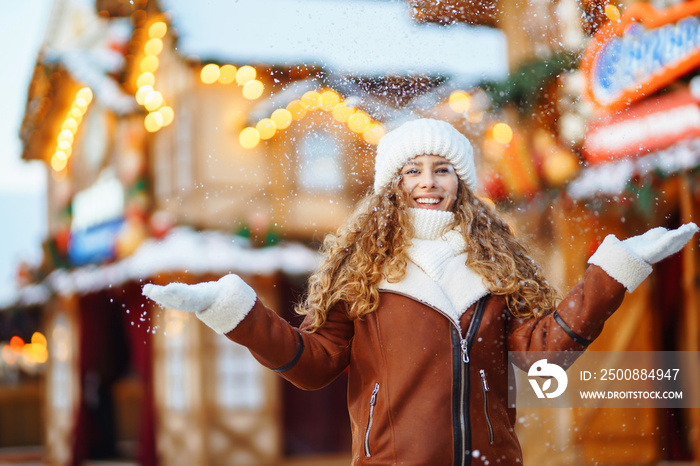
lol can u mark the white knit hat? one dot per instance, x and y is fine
(423, 137)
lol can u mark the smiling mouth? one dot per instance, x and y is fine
(428, 200)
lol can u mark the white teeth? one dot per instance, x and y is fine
(428, 200)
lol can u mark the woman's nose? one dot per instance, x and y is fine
(427, 180)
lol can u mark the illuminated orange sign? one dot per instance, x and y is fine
(650, 125)
(642, 53)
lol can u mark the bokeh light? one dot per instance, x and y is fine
(145, 79)
(157, 30)
(153, 47)
(153, 101)
(84, 94)
(167, 114)
(249, 138)
(358, 122)
(296, 109)
(209, 73)
(460, 101)
(149, 64)
(282, 118)
(227, 74)
(244, 74)
(252, 89)
(153, 122)
(502, 133)
(612, 12)
(310, 100)
(142, 93)
(266, 128)
(342, 112)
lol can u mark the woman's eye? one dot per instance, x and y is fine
(442, 171)
(412, 171)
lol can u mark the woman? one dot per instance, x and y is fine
(421, 294)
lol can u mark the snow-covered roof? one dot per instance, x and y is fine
(611, 178)
(85, 45)
(182, 250)
(356, 37)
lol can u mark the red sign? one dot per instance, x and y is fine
(642, 53)
(650, 125)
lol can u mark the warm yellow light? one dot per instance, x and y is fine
(282, 118)
(153, 47)
(149, 64)
(65, 135)
(76, 114)
(227, 74)
(157, 30)
(358, 122)
(244, 74)
(341, 112)
(153, 101)
(59, 161)
(460, 101)
(373, 134)
(145, 79)
(142, 93)
(310, 100)
(296, 109)
(35, 354)
(64, 145)
(80, 103)
(253, 89)
(266, 128)
(249, 138)
(210, 73)
(38, 338)
(85, 94)
(502, 133)
(70, 124)
(153, 122)
(167, 114)
(612, 12)
(328, 99)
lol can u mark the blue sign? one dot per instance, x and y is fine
(94, 244)
(639, 54)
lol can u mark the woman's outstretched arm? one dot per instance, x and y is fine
(615, 267)
(230, 307)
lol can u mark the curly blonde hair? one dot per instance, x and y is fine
(375, 238)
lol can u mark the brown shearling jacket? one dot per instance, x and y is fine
(420, 392)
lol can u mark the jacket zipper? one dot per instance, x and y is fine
(484, 389)
(372, 402)
(464, 346)
(464, 373)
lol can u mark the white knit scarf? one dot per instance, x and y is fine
(436, 273)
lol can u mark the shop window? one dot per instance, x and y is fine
(239, 377)
(320, 163)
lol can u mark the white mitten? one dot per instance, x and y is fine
(222, 305)
(659, 243)
(629, 261)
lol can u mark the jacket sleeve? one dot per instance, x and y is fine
(580, 317)
(576, 322)
(308, 360)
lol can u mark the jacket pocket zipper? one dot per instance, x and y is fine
(484, 389)
(372, 402)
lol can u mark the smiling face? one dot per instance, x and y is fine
(430, 182)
